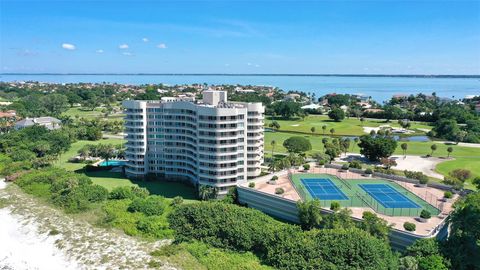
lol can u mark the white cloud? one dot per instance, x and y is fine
(257, 65)
(145, 39)
(227, 65)
(127, 53)
(123, 46)
(249, 64)
(68, 46)
(162, 46)
(99, 51)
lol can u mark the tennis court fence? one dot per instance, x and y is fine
(299, 190)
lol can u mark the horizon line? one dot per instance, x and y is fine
(258, 74)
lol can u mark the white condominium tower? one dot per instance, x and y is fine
(210, 142)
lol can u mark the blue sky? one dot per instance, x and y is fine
(366, 37)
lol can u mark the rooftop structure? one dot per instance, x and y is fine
(50, 123)
(210, 142)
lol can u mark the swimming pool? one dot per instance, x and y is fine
(113, 163)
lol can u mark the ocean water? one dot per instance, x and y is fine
(379, 88)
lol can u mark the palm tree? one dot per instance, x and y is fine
(433, 147)
(449, 150)
(106, 151)
(203, 192)
(273, 143)
(273, 165)
(84, 152)
(206, 192)
(355, 140)
(312, 129)
(324, 127)
(404, 148)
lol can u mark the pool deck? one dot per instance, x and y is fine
(262, 184)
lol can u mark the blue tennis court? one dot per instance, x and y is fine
(388, 196)
(323, 189)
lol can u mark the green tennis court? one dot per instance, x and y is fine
(399, 202)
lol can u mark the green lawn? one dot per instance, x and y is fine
(352, 126)
(111, 180)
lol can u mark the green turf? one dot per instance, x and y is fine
(352, 126)
(111, 180)
(472, 164)
(359, 198)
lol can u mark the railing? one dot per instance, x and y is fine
(299, 191)
(429, 197)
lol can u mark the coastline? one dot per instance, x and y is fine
(37, 236)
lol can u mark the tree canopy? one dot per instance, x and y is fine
(375, 148)
(297, 144)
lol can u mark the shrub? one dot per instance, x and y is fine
(120, 193)
(274, 178)
(280, 245)
(423, 180)
(374, 225)
(454, 182)
(460, 174)
(306, 166)
(93, 193)
(154, 227)
(321, 162)
(177, 200)
(432, 262)
(321, 157)
(384, 170)
(309, 214)
(355, 164)
(447, 194)
(409, 226)
(425, 214)
(152, 205)
(368, 171)
(345, 167)
(140, 192)
(279, 191)
(251, 184)
(335, 206)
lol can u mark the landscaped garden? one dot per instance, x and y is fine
(462, 156)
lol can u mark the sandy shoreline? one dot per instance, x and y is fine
(27, 240)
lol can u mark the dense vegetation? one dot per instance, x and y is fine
(32, 147)
(281, 245)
